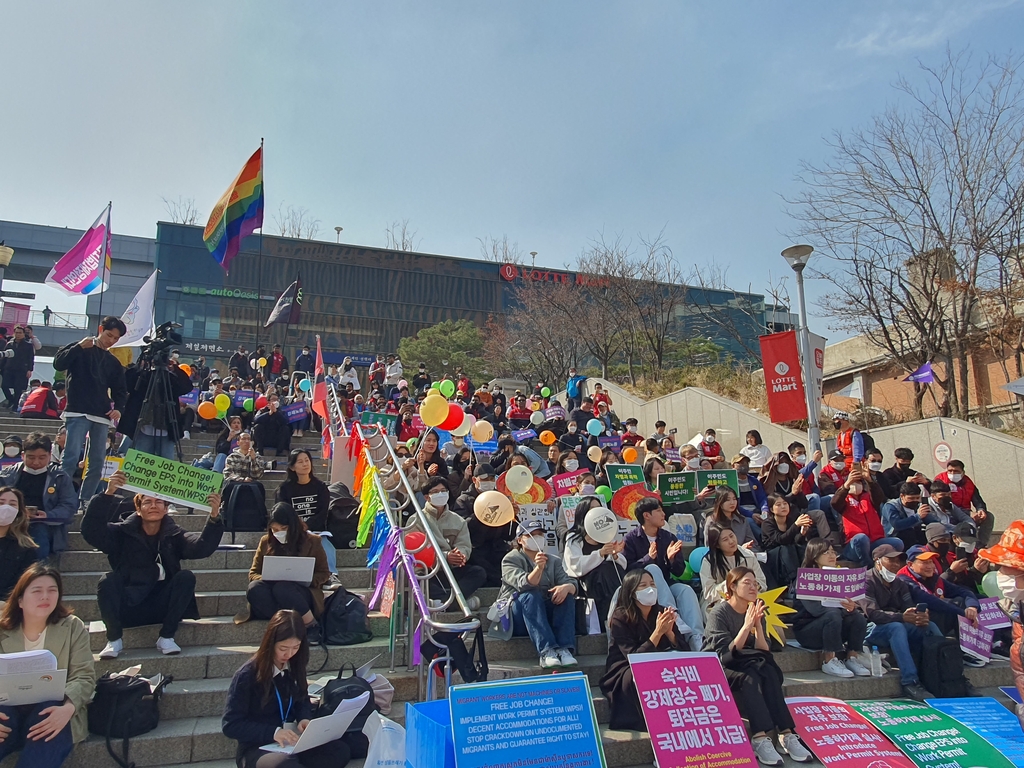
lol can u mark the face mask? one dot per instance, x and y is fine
(942, 549)
(281, 536)
(11, 450)
(838, 465)
(783, 469)
(572, 428)
(955, 478)
(305, 351)
(837, 424)
(439, 500)
(572, 465)
(531, 543)
(710, 439)
(647, 596)
(1008, 586)
(487, 485)
(7, 514)
(28, 470)
(800, 461)
(856, 488)
(968, 547)
(632, 429)
(875, 466)
(741, 471)
(588, 490)
(887, 575)
(945, 503)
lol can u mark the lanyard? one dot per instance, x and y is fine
(280, 706)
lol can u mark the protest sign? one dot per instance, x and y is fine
(110, 465)
(716, 477)
(542, 721)
(835, 733)
(565, 483)
(610, 441)
(522, 435)
(831, 583)
(976, 641)
(931, 739)
(621, 475)
(192, 398)
(241, 395)
(555, 412)
(488, 447)
(388, 420)
(672, 454)
(683, 527)
(991, 616)
(625, 499)
(170, 480)
(677, 487)
(531, 512)
(990, 720)
(539, 491)
(689, 710)
(1011, 692)
(567, 508)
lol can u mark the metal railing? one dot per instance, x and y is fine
(37, 319)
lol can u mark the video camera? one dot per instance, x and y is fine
(157, 351)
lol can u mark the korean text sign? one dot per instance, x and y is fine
(975, 640)
(831, 583)
(991, 616)
(621, 475)
(836, 733)
(170, 480)
(677, 487)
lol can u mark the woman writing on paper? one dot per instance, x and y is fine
(34, 618)
(268, 703)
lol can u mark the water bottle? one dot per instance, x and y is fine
(876, 662)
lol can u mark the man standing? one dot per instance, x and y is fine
(240, 361)
(849, 440)
(278, 362)
(305, 362)
(95, 379)
(393, 375)
(46, 314)
(572, 390)
(18, 365)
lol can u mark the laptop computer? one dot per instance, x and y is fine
(32, 687)
(322, 730)
(297, 569)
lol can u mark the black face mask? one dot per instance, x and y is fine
(942, 549)
(837, 424)
(945, 503)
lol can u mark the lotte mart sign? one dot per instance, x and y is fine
(782, 377)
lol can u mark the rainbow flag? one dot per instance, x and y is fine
(85, 269)
(238, 213)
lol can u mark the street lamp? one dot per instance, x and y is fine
(797, 257)
(338, 230)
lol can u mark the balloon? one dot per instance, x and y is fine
(434, 410)
(605, 493)
(447, 387)
(990, 586)
(601, 525)
(454, 417)
(546, 392)
(695, 557)
(248, 404)
(208, 410)
(594, 453)
(411, 443)
(261, 402)
(595, 427)
(629, 455)
(467, 423)
(403, 383)
(427, 556)
(186, 368)
(687, 573)
(519, 479)
(494, 509)
(435, 386)
(221, 414)
(535, 406)
(263, 362)
(536, 418)
(482, 431)
(547, 437)
(222, 402)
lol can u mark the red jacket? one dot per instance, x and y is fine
(406, 431)
(602, 397)
(520, 413)
(40, 402)
(962, 493)
(278, 364)
(860, 516)
(711, 450)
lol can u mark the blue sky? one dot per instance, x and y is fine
(547, 122)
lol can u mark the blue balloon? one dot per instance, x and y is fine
(695, 557)
(595, 427)
(305, 386)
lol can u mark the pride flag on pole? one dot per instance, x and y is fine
(238, 213)
(85, 269)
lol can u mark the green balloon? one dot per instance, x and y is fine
(687, 574)
(248, 404)
(221, 414)
(604, 492)
(545, 392)
(435, 385)
(990, 586)
(447, 388)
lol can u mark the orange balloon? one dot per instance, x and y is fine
(629, 455)
(547, 437)
(186, 368)
(208, 410)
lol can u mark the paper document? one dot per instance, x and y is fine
(26, 662)
(322, 730)
(366, 671)
(33, 687)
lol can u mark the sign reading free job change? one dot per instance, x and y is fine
(170, 480)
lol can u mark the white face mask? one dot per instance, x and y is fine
(887, 575)
(800, 460)
(693, 463)
(305, 351)
(11, 450)
(487, 485)
(7, 514)
(281, 536)
(632, 429)
(875, 466)
(783, 469)
(572, 465)
(647, 596)
(439, 499)
(1008, 586)
(572, 427)
(532, 543)
(856, 488)
(968, 546)
(588, 489)
(710, 439)
(839, 465)
(955, 477)
(28, 470)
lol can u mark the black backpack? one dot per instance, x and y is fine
(342, 688)
(124, 707)
(245, 507)
(942, 668)
(342, 517)
(462, 659)
(345, 620)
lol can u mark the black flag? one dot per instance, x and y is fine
(288, 306)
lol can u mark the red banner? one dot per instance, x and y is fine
(781, 360)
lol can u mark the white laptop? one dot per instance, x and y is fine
(322, 730)
(32, 687)
(297, 569)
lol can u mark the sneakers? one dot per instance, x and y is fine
(917, 692)
(766, 753)
(186, 436)
(973, 661)
(565, 658)
(167, 646)
(473, 602)
(112, 649)
(853, 664)
(790, 744)
(836, 668)
(314, 634)
(549, 660)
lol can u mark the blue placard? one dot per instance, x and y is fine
(241, 395)
(990, 720)
(522, 435)
(547, 720)
(192, 398)
(491, 446)
(295, 412)
(610, 441)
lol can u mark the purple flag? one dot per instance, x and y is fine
(922, 375)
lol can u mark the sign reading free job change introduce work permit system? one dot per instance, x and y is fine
(170, 480)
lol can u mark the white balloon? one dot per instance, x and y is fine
(537, 418)
(601, 525)
(463, 429)
(494, 509)
(519, 479)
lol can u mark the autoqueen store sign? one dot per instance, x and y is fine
(511, 273)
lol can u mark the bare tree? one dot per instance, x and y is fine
(400, 237)
(296, 222)
(500, 251)
(182, 211)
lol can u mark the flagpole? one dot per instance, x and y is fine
(259, 264)
(107, 236)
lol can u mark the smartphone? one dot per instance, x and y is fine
(961, 553)
(673, 431)
(922, 607)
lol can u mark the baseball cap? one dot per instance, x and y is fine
(836, 455)
(738, 458)
(934, 531)
(919, 552)
(530, 526)
(966, 533)
(885, 550)
(12, 439)
(484, 470)
(841, 415)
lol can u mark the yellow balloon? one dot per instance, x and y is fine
(222, 401)
(493, 508)
(263, 362)
(535, 405)
(482, 431)
(434, 410)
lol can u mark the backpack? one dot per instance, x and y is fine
(245, 507)
(342, 517)
(471, 671)
(869, 442)
(341, 688)
(124, 707)
(345, 620)
(942, 668)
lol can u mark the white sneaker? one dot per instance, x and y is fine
(766, 753)
(185, 435)
(836, 668)
(853, 664)
(565, 658)
(549, 660)
(112, 649)
(473, 602)
(167, 646)
(790, 743)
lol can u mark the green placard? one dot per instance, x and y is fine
(706, 477)
(928, 737)
(170, 480)
(677, 487)
(620, 475)
(389, 420)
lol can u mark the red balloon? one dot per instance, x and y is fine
(455, 417)
(261, 402)
(426, 556)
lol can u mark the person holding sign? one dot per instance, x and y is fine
(736, 632)
(595, 561)
(639, 625)
(724, 553)
(147, 584)
(828, 628)
(33, 619)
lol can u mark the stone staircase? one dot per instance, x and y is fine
(213, 648)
